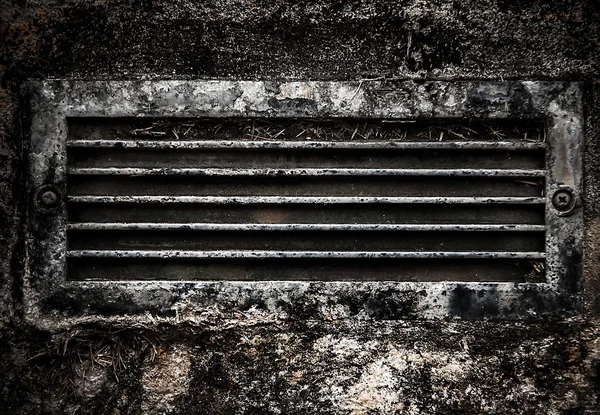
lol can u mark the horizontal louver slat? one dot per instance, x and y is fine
(300, 254)
(305, 172)
(240, 144)
(87, 226)
(241, 200)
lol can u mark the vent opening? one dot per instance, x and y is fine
(297, 199)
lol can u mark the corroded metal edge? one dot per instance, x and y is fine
(52, 302)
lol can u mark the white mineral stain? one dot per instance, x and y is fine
(296, 90)
(348, 98)
(342, 347)
(165, 379)
(382, 387)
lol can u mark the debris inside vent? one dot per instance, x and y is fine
(315, 129)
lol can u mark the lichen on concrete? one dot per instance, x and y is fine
(269, 366)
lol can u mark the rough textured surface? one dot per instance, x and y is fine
(255, 366)
(53, 102)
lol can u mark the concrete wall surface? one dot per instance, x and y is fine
(254, 365)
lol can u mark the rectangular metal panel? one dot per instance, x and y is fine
(351, 189)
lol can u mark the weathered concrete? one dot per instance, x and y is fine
(247, 366)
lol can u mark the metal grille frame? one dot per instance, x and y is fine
(53, 301)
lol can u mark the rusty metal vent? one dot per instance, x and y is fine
(305, 199)
(311, 199)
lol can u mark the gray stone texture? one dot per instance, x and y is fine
(269, 366)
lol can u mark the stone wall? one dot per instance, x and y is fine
(257, 366)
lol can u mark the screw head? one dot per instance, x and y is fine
(563, 200)
(48, 198)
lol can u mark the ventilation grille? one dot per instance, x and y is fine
(305, 200)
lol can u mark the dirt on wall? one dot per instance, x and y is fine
(287, 367)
